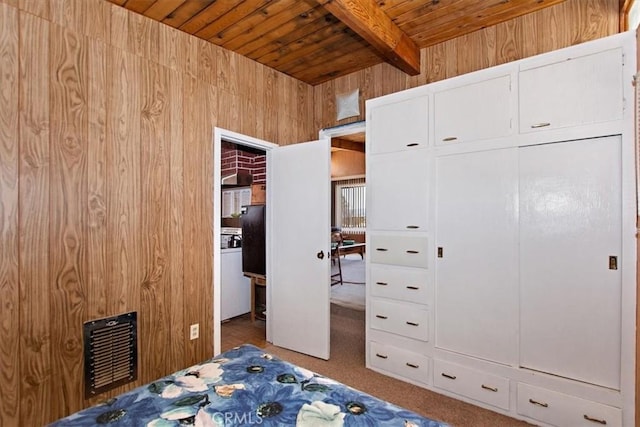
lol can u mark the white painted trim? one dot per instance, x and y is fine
(219, 135)
(348, 129)
(345, 178)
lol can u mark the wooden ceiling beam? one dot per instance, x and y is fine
(371, 23)
(625, 7)
(346, 144)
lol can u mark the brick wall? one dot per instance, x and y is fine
(235, 160)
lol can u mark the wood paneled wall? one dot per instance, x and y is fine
(106, 123)
(347, 163)
(106, 174)
(555, 27)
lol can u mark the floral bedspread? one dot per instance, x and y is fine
(242, 387)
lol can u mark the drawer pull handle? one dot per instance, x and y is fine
(493, 389)
(380, 316)
(412, 324)
(535, 402)
(382, 283)
(595, 420)
(410, 251)
(413, 144)
(450, 138)
(413, 227)
(451, 377)
(382, 249)
(382, 356)
(413, 288)
(540, 125)
(411, 365)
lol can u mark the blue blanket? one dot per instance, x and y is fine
(246, 386)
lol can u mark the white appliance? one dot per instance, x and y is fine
(228, 235)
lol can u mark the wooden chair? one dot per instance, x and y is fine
(336, 243)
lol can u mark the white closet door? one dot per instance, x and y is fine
(477, 276)
(570, 226)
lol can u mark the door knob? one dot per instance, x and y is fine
(320, 255)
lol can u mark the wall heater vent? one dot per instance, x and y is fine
(110, 353)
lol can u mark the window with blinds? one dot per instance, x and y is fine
(350, 205)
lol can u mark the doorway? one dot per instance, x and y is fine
(348, 291)
(233, 188)
(298, 307)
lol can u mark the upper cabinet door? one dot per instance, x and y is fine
(574, 92)
(398, 195)
(477, 111)
(402, 125)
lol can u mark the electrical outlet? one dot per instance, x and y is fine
(194, 331)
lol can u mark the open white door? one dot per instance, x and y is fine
(298, 312)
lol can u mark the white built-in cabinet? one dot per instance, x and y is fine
(397, 202)
(501, 258)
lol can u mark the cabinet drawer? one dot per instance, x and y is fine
(401, 319)
(406, 284)
(409, 251)
(563, 410)
(398, 361)
(474, 384)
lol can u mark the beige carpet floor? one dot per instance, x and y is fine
(347, 365)
(351, 293)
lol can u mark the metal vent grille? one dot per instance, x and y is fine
(110, 353)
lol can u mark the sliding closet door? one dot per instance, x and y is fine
(476, 265)
(570, 241)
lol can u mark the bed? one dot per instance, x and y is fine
(245, 386)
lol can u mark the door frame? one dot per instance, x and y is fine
(220, 134)
(342, 130)
(327, 134)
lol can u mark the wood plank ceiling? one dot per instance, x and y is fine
(319, 40)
